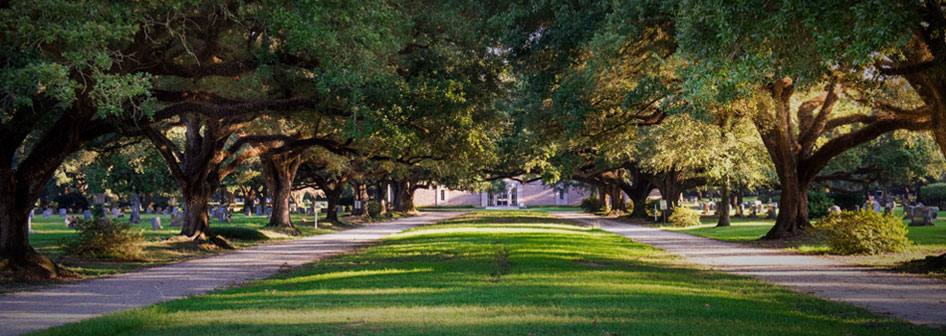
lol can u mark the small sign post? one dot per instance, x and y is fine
(663, 210)
(316, 206)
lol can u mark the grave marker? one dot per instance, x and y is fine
(156, 223)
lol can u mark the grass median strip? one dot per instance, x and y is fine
(499, 273)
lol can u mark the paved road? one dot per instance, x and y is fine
(34, 310)
(914, 298)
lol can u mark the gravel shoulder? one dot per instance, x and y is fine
(39, 309)
(918, 299)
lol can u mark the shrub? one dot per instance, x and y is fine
(683, 217)
(847, 200)
(818, 203)
(591, 204)
(102, 238)
(865, 231)
(374, 208)
(933, 194)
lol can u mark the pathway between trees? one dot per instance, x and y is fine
(913, 298)
(34, 310)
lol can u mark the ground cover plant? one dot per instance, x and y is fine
(499, 273)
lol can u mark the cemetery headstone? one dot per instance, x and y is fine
(177, 219)
(87, 215)
(29, 224)
(156, 223)
(771, 213)
(908, 211)
(47, 213)
(116, 212)
(62, 212)
(921, 217)
(164, 212)
(259, 210)
(148, 211)
(875, 206)
(934, 211)
(269, 211)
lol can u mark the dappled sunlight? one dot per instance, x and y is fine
(348, 275)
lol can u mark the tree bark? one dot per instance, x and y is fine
(724, 205)
(281, 170)
(18, 257)
(617, 198)
(196, 223)
(332, 195)
(249, 197)
(603, 196)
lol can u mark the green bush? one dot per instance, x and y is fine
(864, 232)
(103, 238)
(933, 194)
(818, 203)
(374, 208)
(683, 217)
(847, 200)
(591, 204)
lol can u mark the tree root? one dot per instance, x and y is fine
(32, 267)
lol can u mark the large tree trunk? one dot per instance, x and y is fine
(638, 190)
(196, 223)
(401, 196)
(724, 205)
(603, 196)
(249, 196)
(18, 257)
(793, 211)
(407, 203)
(332, 195)
(281, 170)
(135, 208)
(617, 198)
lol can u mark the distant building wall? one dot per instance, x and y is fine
(531, 194)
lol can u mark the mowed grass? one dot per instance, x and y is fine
(499, 273)
(243, 232)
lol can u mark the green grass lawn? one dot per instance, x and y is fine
(499, 273)
(242, 232)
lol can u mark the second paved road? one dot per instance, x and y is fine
(914, 298)
(34, 310)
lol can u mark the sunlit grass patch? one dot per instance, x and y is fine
(474, 276)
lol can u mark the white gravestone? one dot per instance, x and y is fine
(156, 223)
